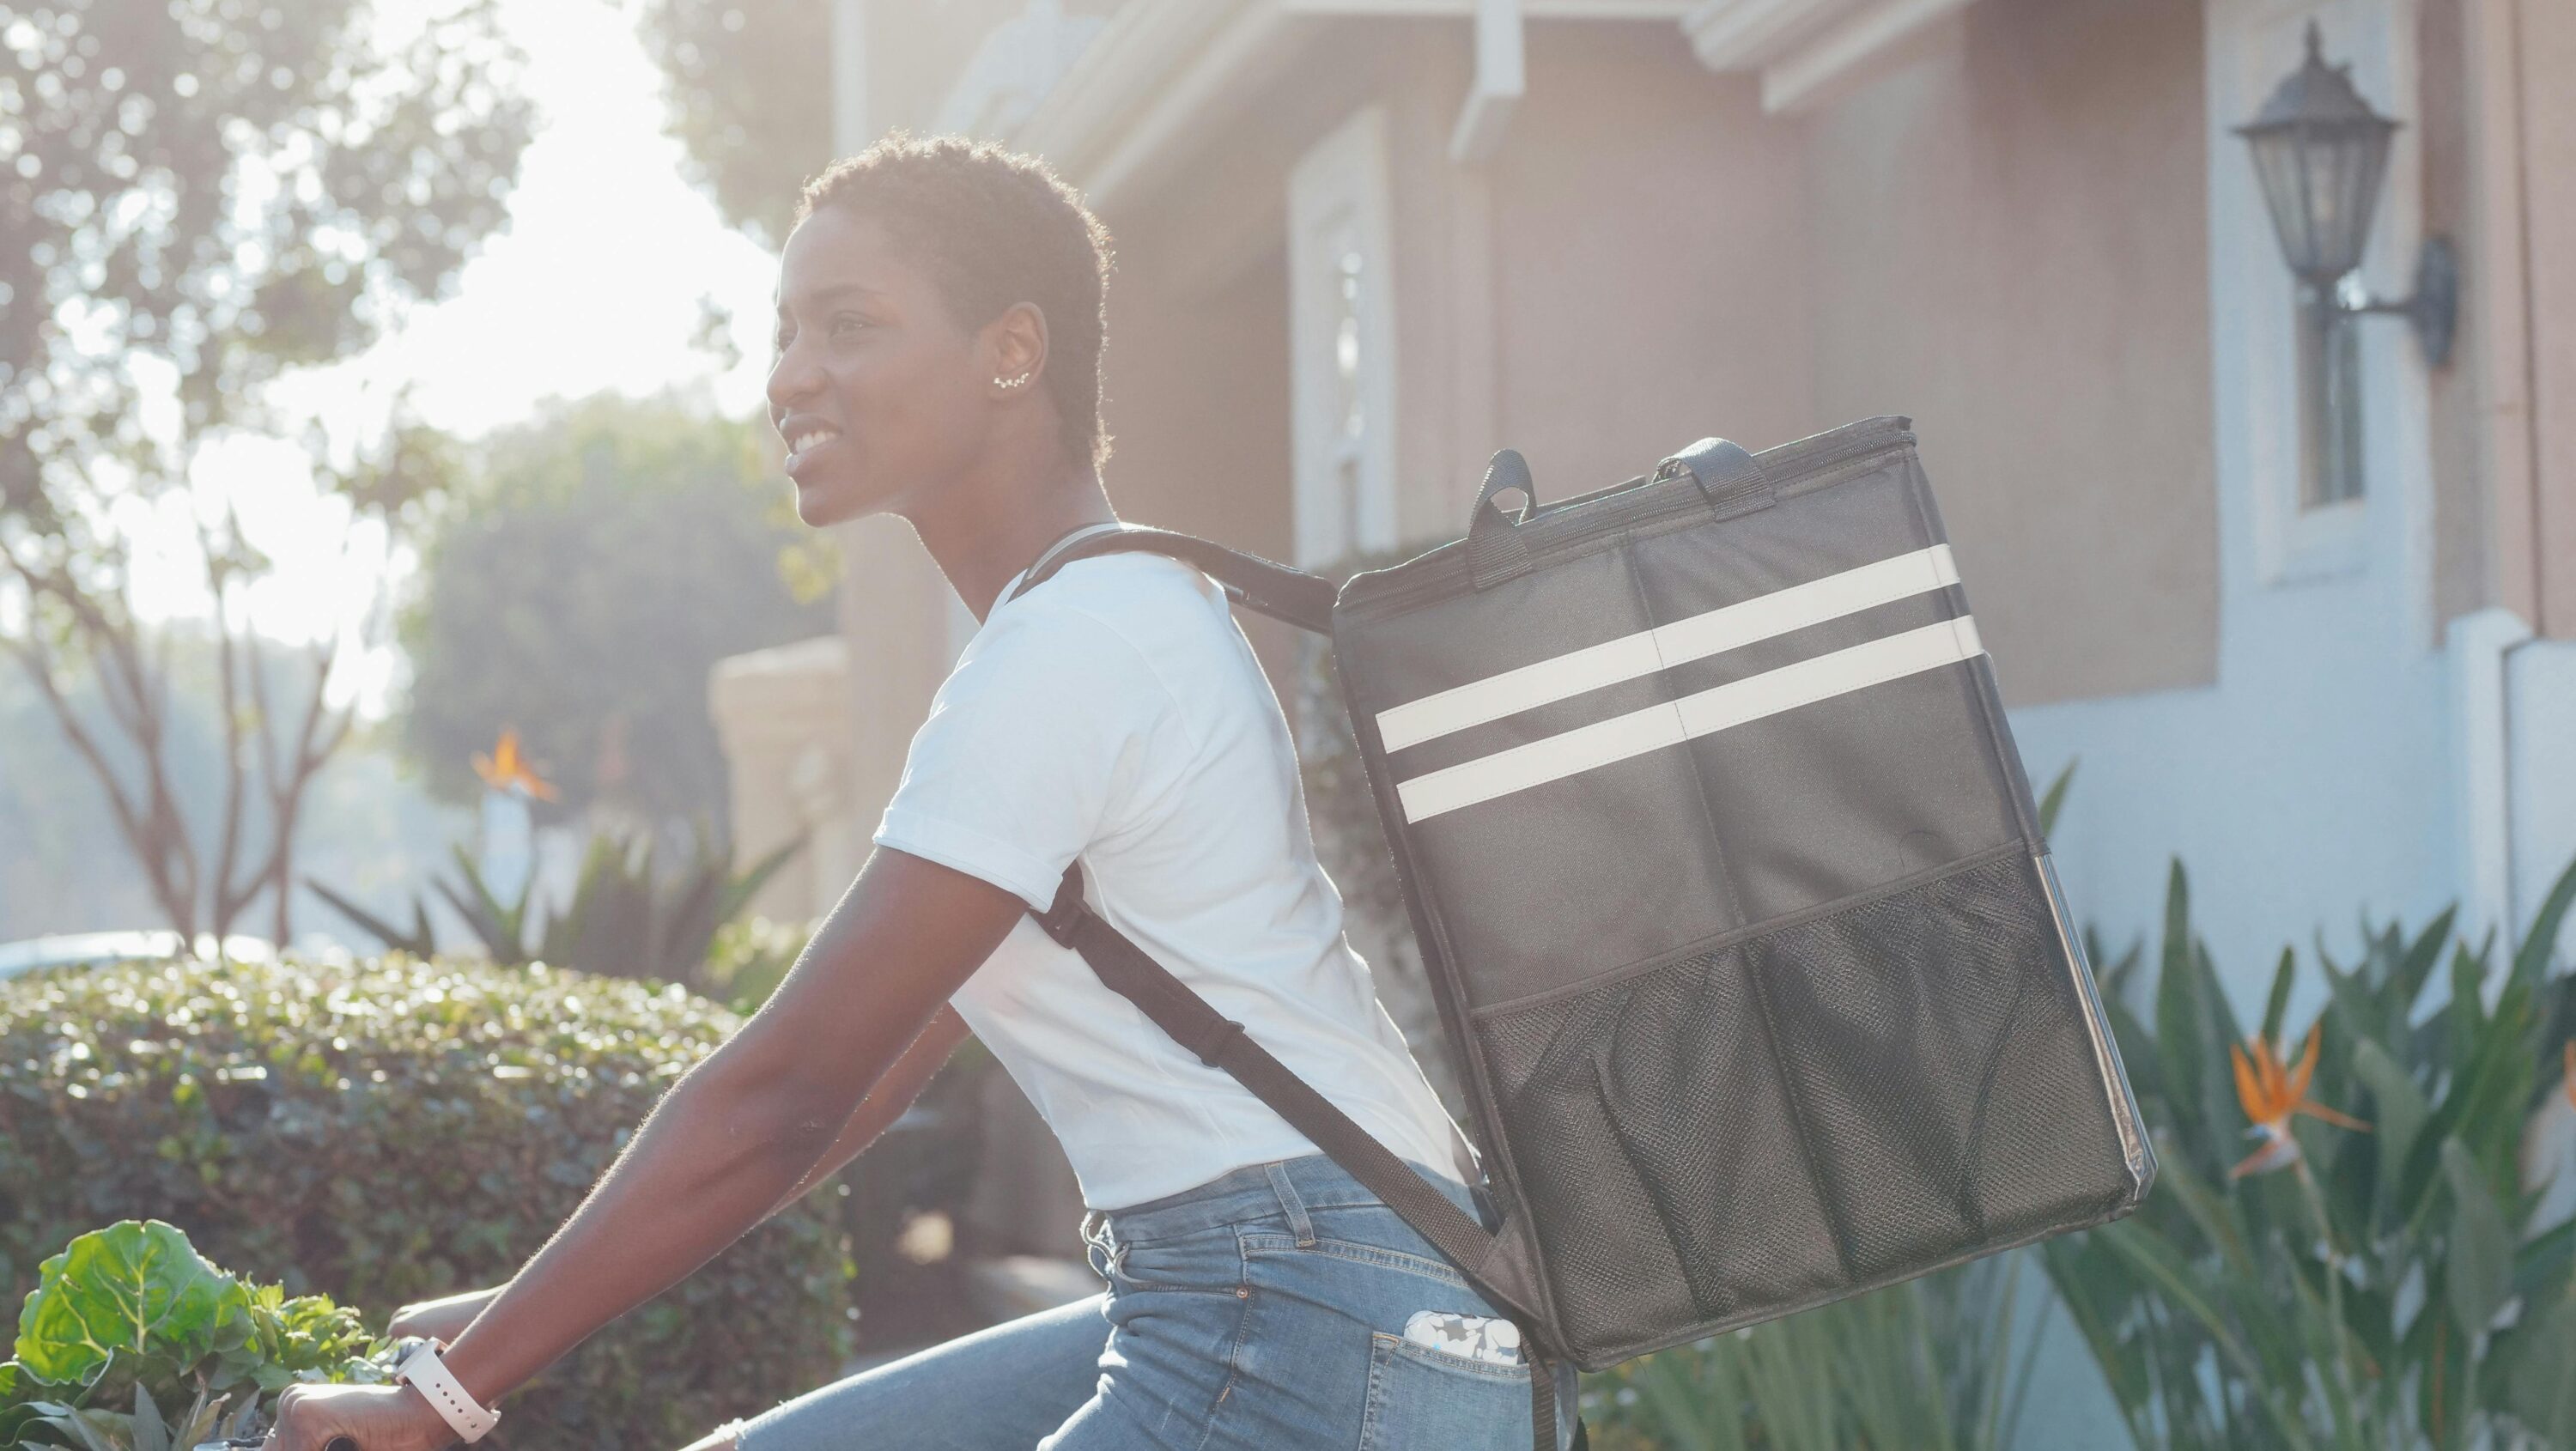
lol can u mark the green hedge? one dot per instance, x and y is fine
(394, 1130)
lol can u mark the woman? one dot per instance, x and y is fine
(940, 317)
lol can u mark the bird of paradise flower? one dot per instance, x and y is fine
(2269, 1096)
(503, 769)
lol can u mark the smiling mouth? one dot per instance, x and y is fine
(806, 444)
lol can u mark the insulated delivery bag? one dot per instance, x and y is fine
(1731, 891)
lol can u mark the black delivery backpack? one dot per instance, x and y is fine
(1730, 888)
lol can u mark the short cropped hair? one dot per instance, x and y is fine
(992, 227)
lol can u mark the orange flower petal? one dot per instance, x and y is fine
(2276, 1085)
(2319, 1110)
(2307, 1062)
(2249, 1094)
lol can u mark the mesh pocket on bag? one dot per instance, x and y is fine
(1808, 1113)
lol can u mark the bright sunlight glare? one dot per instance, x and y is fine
(595, 284)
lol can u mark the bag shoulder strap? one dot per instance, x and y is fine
(1289, 595)
(1220, 1042)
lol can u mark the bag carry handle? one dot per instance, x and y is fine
(1495, 549)
(1220, 1042)
(1728, 475)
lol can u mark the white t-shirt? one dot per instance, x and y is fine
(1116, 712)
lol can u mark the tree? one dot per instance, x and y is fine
(750, 92)
(198, 196)
(579, 587)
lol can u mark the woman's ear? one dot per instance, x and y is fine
(1017, 343)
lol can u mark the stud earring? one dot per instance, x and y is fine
(1011, 382)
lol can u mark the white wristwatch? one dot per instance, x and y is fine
(426, 1373)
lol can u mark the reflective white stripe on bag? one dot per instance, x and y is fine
(1665, 646)
(1857, 667)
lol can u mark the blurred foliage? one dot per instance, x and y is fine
(1926, 1365)
(199, 193)
(360, 823)
(196, 197)
(626, 919)
(130, 1318)
(397, 1130)
(748, 956)
(582, 584)
(749, 88)
(2392, 1288)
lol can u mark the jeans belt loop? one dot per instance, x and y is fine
(1289, 1203)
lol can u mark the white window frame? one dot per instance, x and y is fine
(2252, 46)
(1338, 203)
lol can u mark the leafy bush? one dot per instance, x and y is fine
(394, 1130)
(2392, 1288)
(131, 1315)
(749, 956)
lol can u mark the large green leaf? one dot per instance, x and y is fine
(2279, 998)
(135, 1293)
(2055, 799)
(2399, 1107)
(2542, 1267)
(2481, 1249)
(2406, 981)
(2531, 960)
(2173, 1278)
(17, 1390)
(2539, 1389)
(149, 1431)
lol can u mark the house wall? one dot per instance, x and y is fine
(2011, 246)
(2318, 774)
(2543, 36)
(1196, 377)
(1651, 262)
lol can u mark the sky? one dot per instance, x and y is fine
(595, 284)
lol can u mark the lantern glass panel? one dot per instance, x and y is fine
(2321, 183)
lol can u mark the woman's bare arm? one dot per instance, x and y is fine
(886, 1102)
(746, 1126)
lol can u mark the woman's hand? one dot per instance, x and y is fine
(440, 1320)
(376, 1418)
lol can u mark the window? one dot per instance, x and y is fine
(1341, 338)
(2330, 457)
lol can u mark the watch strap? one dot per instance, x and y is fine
(425, 1372)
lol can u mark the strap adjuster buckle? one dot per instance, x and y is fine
(1213, 1048)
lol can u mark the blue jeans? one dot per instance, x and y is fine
(1264, 1310)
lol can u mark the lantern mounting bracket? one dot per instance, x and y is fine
(2434, 309)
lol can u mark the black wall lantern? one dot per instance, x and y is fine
(2320, 152)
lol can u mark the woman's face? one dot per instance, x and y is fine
(875, 388)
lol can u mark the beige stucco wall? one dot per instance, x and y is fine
(2497, 124)
(2546, 32)
(1651, 244)
(1196, 370)
(783, 716)
(2015, 231)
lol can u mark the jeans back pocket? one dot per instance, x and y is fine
(1422, 1397)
